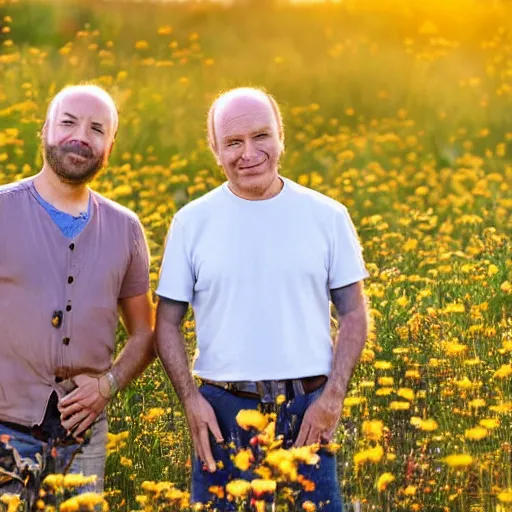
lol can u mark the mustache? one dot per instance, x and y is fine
(77, 148)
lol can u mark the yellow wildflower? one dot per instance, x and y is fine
(399, 406)
(459, 460)
(372, 430)
(476, 433)
(251, 418)
(383, 481)
(261, 486)
(406, 393)
(238, 488)
(243, 459)
(490, 423)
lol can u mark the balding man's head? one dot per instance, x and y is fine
(241, 95)
(79, 132)
(245, 132)
(86, 90)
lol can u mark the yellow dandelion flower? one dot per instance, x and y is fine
(13, 501)
(459, 460)
(454, 348)
(410, 245)
(141, 45)
(505, 496)
(490, 423)
(77, 480)
(382, 365)
(154, 413)
(464, 383)
(384, 391)
(306, 454)
(399, 406)
(251, 418)
(261, 486)
(309, 506)
(374, 455)
(373, 430)
(88, 500)
(410, 490)
(385, 381)
(238, 488)
(383, 481)
(492, 270)
(406, 393)
(476, 433)
(353, 400)
(504, 372)
(477, 403)
(367, 355)
(243, 459)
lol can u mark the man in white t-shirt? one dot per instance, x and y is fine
(259, 259)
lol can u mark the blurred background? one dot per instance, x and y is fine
(400, 109)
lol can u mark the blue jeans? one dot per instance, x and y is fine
(326, 495)
(89, 459)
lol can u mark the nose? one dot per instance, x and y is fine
(250, 151)
(81, 135)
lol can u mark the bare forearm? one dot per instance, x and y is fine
(170, 347)
(137, 354)
(352, 312)
(349, 344)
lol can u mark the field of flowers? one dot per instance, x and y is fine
(399, 109)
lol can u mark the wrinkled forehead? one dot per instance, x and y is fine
(244, 114)
(83, 105)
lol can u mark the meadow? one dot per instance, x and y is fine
(399, 109)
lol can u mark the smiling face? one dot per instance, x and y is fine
(248, 143)
(78, 135)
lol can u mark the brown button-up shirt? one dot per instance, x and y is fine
(58, 296)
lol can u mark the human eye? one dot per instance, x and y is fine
(261, 135)
(66, 122)
(97, 129)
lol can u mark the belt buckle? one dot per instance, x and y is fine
(269, 390)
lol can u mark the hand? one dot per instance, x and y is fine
(201, 419)
(320, 421)
(81, 407)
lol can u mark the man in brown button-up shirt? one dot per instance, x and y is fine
(60, 289)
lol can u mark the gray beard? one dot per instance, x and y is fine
(78, 174)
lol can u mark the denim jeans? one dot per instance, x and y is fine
(326, 494)
(89, 459)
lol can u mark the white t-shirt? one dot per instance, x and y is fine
(258, 275)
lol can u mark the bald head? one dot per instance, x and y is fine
(89, 91)
(237, 102)
(79, 133)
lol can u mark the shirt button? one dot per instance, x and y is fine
(66, 341)
(72, 247)
(68, 308)
(70, 279)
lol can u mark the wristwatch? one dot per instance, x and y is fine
(112, 384)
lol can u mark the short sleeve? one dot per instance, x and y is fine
(346, 264)
(136, 279)
(176, 274)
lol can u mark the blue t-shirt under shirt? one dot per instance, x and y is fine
(70, 225)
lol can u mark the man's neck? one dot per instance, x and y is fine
(273, 190)
(72, 199)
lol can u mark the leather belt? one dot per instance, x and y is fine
(267, 391)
